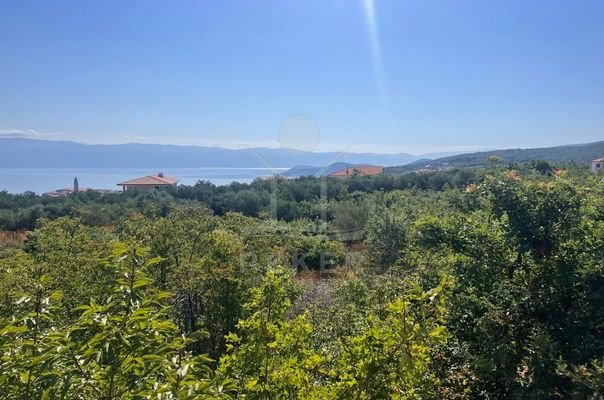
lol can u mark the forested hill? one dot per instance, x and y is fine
(579, 153)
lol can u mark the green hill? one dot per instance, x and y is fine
(578, 153)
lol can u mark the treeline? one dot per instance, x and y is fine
(295, 199)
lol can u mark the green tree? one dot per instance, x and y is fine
(123, 348)
(391, 358)
(385, 237)
(272, 357)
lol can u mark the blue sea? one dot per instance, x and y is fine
(40, 180)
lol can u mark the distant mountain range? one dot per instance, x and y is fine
(33, 153)
(579, 153)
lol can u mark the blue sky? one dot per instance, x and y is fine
(420, 76)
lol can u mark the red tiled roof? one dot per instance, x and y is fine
(154, 180)
(360, 170)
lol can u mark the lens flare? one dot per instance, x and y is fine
(376, 51)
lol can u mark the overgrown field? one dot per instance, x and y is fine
(461, 285)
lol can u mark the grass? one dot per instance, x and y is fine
(10, 239)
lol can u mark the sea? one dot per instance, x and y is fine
(40, 180)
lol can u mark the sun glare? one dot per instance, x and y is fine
(376, 51)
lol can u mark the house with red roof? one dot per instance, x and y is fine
(149, 183)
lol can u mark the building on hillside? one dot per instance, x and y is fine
(270, 177)
(426, 168)
(597, 164)
(67, 191)
(362, 170)
(149, 183)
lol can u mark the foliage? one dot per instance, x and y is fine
(455, 285)
(273, 357)
(385, 237)
(123, 348)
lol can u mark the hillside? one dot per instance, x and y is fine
(307, 170)
(579, 153)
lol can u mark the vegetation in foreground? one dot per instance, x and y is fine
(486, 288)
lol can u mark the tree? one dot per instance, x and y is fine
(494, 161)
(391, 358)
(271, 357)
(385, 237)
(123, 348)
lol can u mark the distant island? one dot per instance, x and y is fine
(33, 153)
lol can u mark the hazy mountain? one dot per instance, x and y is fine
(33, 153)
(30, 153)
(579, 153)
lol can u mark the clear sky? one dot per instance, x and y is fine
(384, 75)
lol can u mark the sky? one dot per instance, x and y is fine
(383, 75)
